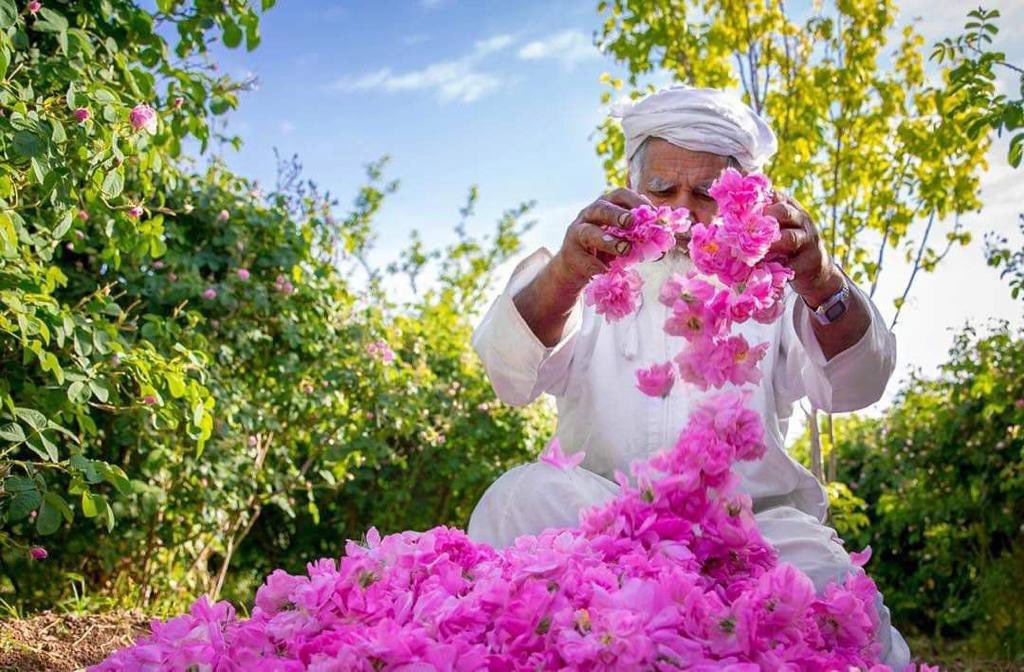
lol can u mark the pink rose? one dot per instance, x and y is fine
(143, 116)
(657, 380)
(555, 457)
(149, 400)
(35, 6)
(210, 294)
(38, 552)
(223, 216)
(243, 273)
(82, 114)
(135, 211)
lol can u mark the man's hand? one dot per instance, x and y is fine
(588, 248)
(546, 303)
(803, 251)
(816, 276)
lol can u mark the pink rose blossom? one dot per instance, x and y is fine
(143, 116)
(178, 102)
(380, 350)
(657, 380)
(35, 6)
(135, 211)
(555, 457)
(614, 294)
(243, 274)
(223, 216)
(149, 400)
(38, 553)
(82, 114)
(83, 215)
(158, 264)
(210, 293)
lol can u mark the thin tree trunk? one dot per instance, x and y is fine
(812, 418)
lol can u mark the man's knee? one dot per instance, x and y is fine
(531, 498)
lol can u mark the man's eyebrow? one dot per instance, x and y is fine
(657, 183)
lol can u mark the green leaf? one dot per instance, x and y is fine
(34, 418)
(5, 60)
(12, 432)
(113, 183)
(48, 520)
(51, 448)
(23, 504)
(50, 21)
(58, 136)
(58, 503)
(114, 475)
(99, 391)
(27, 144)
(232, 33)
(8, 236)
(64, 225)
(8, 13)
(78, 392)
(89, 508)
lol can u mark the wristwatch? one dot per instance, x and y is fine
(834, 306)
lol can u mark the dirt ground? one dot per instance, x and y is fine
(51, 642)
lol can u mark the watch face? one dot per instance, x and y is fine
(835, 311)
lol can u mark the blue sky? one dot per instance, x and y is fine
(505, 95)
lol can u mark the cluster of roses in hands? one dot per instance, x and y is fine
(671, 574)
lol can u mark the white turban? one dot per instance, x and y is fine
(701, 120)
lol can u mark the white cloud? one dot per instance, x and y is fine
(456, 80)
(569, 47)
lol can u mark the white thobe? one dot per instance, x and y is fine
(591, 374)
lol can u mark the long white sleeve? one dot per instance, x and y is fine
(520, 367)
(851, 380)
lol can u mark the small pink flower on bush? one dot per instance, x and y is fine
(135, 211)
(223, 216)
(38, 553)
(243, 274)
(555, 457)
(158, 264)
(178, 102)
(253, 441)
(210, 294)
(83, 215)
(149, 400)
(283, 285)
(380, 350)
(657, 380)
(82, 114)
(35, 6)
(143, 116)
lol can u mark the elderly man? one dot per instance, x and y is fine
(830, 345)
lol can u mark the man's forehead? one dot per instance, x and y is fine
(667, 162)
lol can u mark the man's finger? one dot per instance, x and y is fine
(788, 215)
(595, 239)
(626, 198)
(790, 242)
(806, 263)
(606, 213)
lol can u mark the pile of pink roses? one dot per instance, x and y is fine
(672, 574)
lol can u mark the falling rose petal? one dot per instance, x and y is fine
(555, 457)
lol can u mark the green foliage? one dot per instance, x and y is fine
(873, 151)
(974, 75)
(1001, 254)
(75, 353)
(197, 380)
(943, 473)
